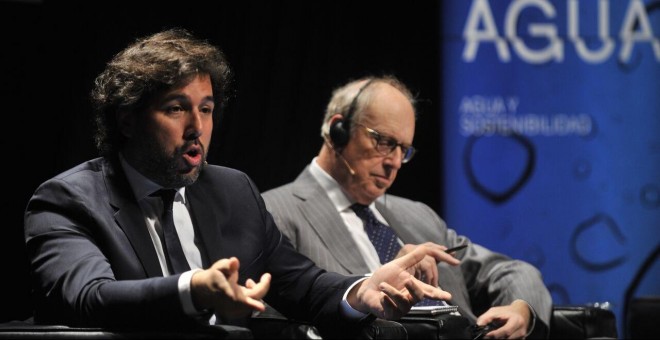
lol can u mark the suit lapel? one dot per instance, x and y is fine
(397, 224)
(129, 217)
(320, 213)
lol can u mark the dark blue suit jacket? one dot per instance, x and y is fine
(93, 262)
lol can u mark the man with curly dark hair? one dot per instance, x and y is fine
(151, 234)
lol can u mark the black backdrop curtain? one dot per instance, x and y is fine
(287, 56)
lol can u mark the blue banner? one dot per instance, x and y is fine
(551, 138)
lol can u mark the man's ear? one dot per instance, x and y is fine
(335, 117)
(126, 122)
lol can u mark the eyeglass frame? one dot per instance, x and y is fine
(407, 151)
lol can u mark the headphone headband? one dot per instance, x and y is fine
(340, 130)
(353, 106)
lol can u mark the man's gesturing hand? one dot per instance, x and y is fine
(217, 288)
(392, 290)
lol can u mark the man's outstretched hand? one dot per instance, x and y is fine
(392, 290)
(427, 269)
(217, 288)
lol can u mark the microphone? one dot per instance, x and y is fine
(346, 163)
(325, 139)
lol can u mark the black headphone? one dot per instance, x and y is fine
(340, 130)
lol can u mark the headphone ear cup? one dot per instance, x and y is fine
(339, 134)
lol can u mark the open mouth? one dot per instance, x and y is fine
(193, 156)
(192, 152)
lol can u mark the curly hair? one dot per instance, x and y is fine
(147, 67)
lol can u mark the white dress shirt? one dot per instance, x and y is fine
(354, 224)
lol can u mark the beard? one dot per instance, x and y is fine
(163, 168)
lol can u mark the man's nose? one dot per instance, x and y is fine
(195, 125)
(394, 158)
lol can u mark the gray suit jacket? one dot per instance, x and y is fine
(303, 211)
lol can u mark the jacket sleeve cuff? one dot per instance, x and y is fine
(185, 294)
(347, 309)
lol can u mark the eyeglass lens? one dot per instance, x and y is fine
(386, 145)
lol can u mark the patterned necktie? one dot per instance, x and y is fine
(381, 236)
(176, 260)
(385, 241)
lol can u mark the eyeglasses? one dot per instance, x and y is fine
(385, 145)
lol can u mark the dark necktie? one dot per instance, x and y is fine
(381, 236)
(385, 241)
(176, 260)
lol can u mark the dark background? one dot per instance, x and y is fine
(287, 56)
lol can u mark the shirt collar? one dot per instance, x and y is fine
(331, 187)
